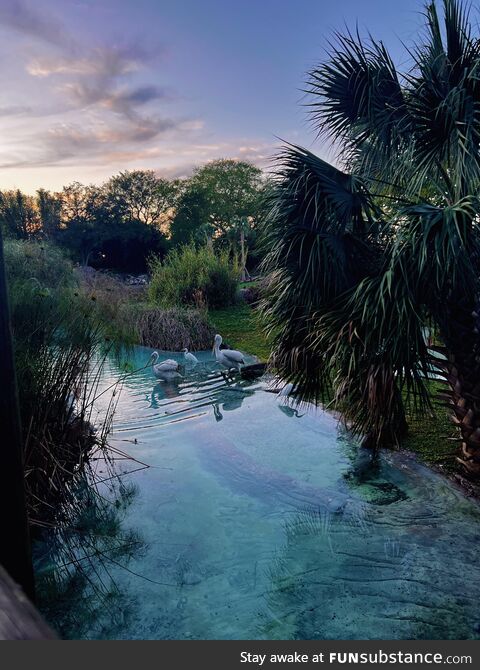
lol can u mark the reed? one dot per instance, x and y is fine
(174, 329)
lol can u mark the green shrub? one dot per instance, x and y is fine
(41, 264)
(198, 277)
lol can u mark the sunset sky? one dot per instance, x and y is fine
(89, 88)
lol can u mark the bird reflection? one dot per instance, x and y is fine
(164, 390)
(286, 401)
(216, 412)
(290, 411)
(235, 395)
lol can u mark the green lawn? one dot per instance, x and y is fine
(239, 326)
(428, 436)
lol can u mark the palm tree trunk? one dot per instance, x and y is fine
(243, 255)
(461, 373)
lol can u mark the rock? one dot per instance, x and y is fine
(191, 578)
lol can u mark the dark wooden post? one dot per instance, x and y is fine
(15, 552)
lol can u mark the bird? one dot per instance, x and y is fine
(189, 357)
(286, 391)
(229, 358)
(166, 370)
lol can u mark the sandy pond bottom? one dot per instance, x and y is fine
(259, 521)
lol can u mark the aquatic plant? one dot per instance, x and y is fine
(173, 329)
(75, 496)
(74, 558)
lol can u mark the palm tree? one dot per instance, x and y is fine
(364, 255)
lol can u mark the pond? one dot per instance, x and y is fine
(260, 520)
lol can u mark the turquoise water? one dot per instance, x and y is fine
(262, 521)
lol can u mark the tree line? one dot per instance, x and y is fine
(119, 224)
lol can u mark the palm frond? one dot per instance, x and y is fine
(357, 97)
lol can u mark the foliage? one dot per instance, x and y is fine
(222, 204)
(111, 300)
(361, 261)
(42, 265)
(100, 229)
(134, 214)
(49, 212)
(194, 276)
(18, 215)
(191, 216)
(172, 329)
(142, 196)
(60, 348)
(231, 189)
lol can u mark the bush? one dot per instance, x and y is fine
(111, 301)
(196, 277)
(40, 264)
(174, 329)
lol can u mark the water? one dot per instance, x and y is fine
(261, 521)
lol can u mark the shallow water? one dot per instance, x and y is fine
(263, 521)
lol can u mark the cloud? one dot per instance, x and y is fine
(97, 143)
(99, 61)
(26, 19)
(102, 78)
(15, 110)
(66, 141)
(98, 106)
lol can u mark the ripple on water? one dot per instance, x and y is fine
(266, 523)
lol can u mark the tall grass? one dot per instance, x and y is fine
(129, 316)
(173, 329)
(194, 277)
(113, 303)
(63, 332)
(60, 348)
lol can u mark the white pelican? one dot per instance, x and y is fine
(165, 370)
(229, 358)
(189, 357)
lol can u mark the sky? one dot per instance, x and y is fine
(92, 87)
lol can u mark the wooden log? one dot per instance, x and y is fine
(253, 371)
(19, 620)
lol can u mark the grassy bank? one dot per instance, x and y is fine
(240, 327)
(430, 437)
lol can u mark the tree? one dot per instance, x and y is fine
(221, 201)
(142, 196)
(362, 258)
(80, 211)
(74, 199)
(19, 215)
(99, 230)
(49, 210)
(190, 221)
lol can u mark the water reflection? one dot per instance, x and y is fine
(164, 390)
(73, 559)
